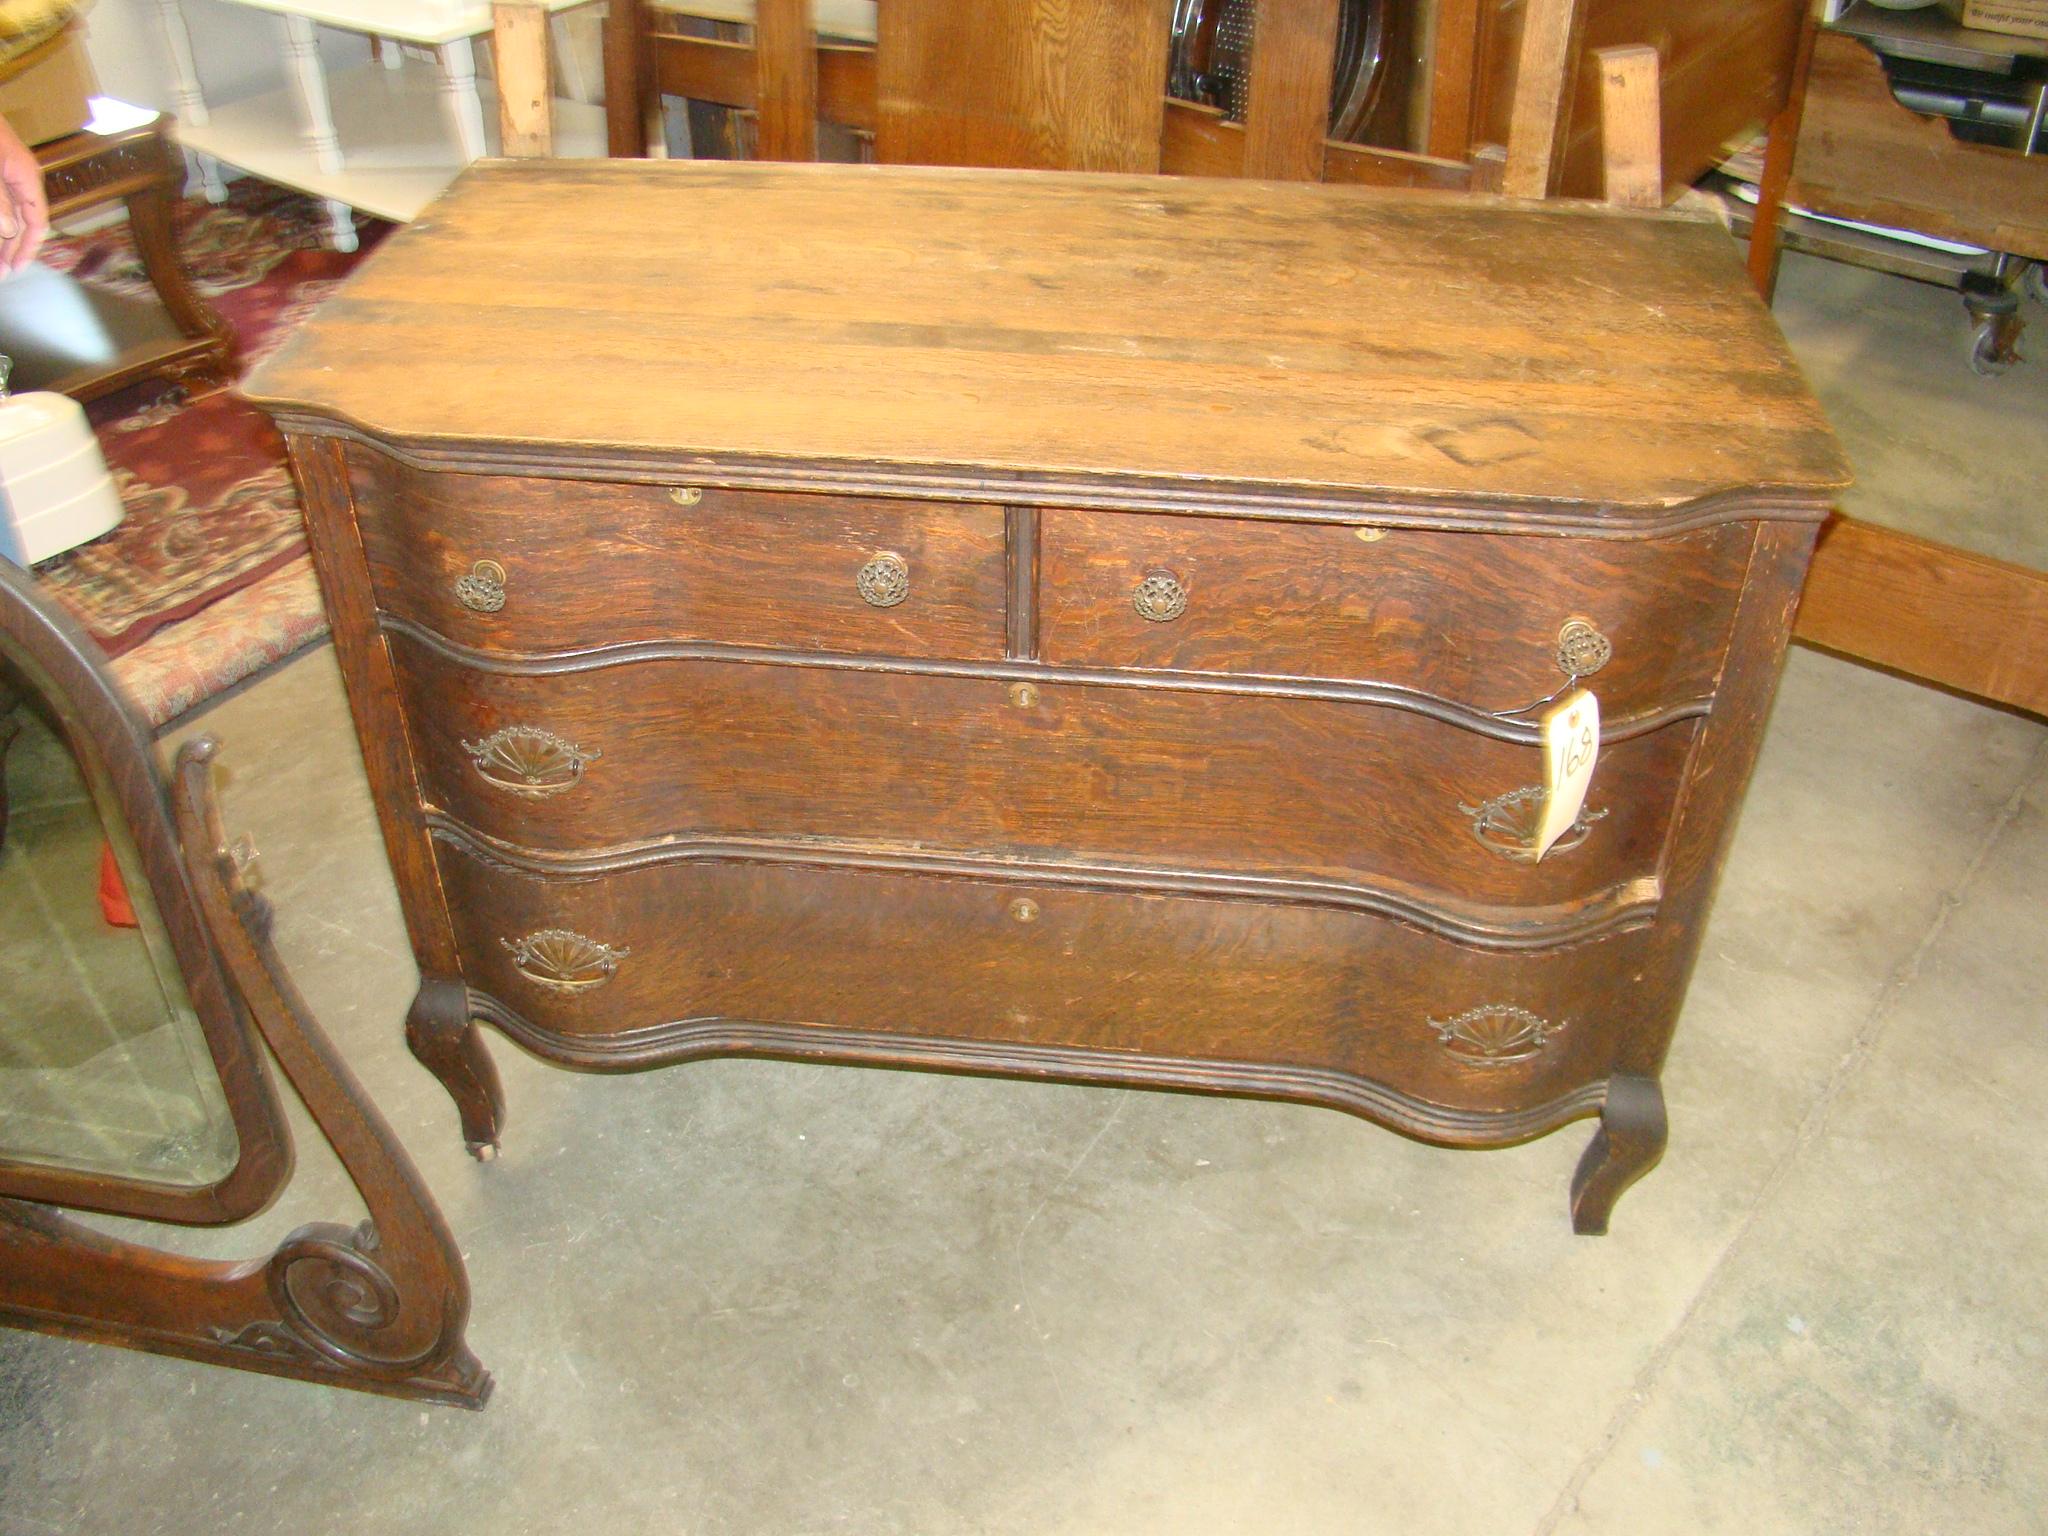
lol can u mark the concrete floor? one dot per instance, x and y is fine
(744, 1297)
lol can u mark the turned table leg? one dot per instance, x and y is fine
(191, 99)
(459, 91)
(1627, 1145)
(316, 112)
(446, 1041)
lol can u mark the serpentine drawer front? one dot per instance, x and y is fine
(1072, 654)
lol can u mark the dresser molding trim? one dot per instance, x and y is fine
(1127, 493)
(1518, 727)
(1619, 909)
(661, 1045)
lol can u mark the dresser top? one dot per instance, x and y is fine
(1020, 331)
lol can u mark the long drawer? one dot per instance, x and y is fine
(1282, 789)
(518, 565)
(624, 957)
(1473, 617)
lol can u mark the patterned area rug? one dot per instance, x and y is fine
(206, 581)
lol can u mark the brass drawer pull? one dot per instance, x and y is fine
(1495, 1034)
(564, 961)
(884, 581)
(1581, 649)
(483, 589)
(1160, 598)
(529, 761)
(1507, 824)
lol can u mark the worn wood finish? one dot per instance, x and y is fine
(1010, 85)
(786, 74)
(1725, 69)
(1307, 998)
(1631, 127)
(1863, 156)
(1929, 610)
(1290, 89)
(1074, 332)
(379, 1307)
(1469, 619)
(1237, 524)
(1454, 54)
(1546, 76)
(699, 757)
(1781, 142)
(1049, 84)
(628, 75)
(694, 570)
(526, 96)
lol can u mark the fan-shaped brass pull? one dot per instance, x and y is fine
(528, 761)
(1507, 824)
(563, 961)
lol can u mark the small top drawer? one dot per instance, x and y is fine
(513, 564)
(1476, 618)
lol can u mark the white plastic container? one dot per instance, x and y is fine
(55, 492)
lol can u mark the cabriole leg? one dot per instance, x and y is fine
(448, 1044)
(1627, 1146)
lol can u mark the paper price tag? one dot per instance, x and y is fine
(1571, 746)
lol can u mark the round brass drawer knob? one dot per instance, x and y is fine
(1581, 649)
(1160, 598)
(483, 589)
(884, 581)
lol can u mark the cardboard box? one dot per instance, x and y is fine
(52, 96)
(2023, 18)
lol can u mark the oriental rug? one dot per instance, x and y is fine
(206, 582)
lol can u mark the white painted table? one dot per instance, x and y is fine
(386, 138)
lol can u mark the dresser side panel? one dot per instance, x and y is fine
(373, 696)
(1724, 755)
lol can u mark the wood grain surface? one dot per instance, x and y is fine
(1290, 789)
(1033, 326)
(1725, 70)
(743, 568)
(1047, 85)
(1097, 971)
(1462, 616)
(1863, 156)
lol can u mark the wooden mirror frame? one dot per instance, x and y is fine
(113, 752)
(379, 1307)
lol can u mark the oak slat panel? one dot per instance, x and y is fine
(1294, 54)
(1070, 326)
(1945, 615)
(1726, 68)
(1053, 84)
(786, 67)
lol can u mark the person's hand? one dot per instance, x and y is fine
(24, 215)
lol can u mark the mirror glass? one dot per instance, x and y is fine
(104, 1068)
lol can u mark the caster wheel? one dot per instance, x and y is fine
(1991, 347)
(2035, 283)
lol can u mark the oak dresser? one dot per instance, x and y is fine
(1078, 627)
